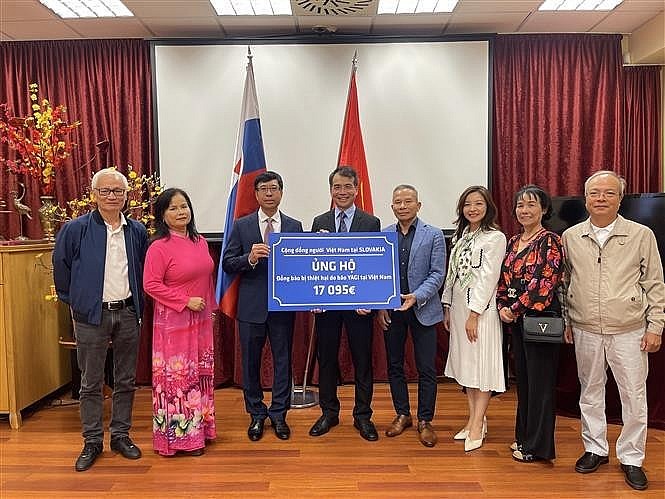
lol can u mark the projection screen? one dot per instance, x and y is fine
(424, 112)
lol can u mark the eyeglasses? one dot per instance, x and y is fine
(105, 191)
(343, 187)
(598, 194)
(268, 189)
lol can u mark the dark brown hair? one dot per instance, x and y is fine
(489, 220)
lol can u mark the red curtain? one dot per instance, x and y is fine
(643, 133)
(558, 113)
(562, 110)
(105, 84)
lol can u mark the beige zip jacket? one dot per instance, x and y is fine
(617, 288)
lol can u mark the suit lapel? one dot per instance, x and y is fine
(256, 231)
(288, 224)
(418, 239)
(330, 221)
(357, 220)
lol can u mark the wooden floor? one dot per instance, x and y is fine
(38, 460)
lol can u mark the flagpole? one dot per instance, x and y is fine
(354, 66)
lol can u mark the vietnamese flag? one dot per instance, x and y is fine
(351, 147)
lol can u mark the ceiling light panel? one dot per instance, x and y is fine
(73, 9)
(584, 5)
(445, 6)
(252, 7)
(415, 6)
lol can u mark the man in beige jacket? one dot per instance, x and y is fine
(615, 299)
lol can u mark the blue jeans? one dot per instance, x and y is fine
(121, 328)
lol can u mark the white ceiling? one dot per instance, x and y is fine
(29, 20)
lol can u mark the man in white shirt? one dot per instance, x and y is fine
(98, 272)
(614, 313)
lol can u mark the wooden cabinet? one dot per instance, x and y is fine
(32, 363)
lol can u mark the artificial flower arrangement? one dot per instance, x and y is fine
(41, 140)
(143, 190)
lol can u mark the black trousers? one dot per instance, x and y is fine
(424, 345)
(279, 329)
(328, 328)
(536, 365)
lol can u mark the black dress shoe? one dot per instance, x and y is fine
(635, 477)
(367, 429)
(255, 430)
(89, 454)
(126, 447)
(323, 425)
(590, 462)
(282, 430)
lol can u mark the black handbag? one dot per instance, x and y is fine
(546, 327)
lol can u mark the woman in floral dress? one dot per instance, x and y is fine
(178, 275)
(530, 277)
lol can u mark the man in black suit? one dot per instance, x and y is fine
(345, 217)
(246, 253)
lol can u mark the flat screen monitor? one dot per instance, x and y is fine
(647, 209)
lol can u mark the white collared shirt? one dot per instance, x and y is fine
(263, 222)
(116, 274)
(603, 233)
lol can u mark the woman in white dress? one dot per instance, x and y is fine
(469, 299)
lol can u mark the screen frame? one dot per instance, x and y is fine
(328, 39)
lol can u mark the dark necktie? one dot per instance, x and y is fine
(342, 223)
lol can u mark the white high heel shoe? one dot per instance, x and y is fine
(461, 435)
(470, 445)
(464, 433)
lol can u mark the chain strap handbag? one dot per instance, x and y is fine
(543, 327)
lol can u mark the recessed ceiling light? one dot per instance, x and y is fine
(72, 9)
(252, 7)
(415, 6)
(579, 4)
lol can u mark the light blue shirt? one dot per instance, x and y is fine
(349, 212)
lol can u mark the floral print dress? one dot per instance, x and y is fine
(177, 268)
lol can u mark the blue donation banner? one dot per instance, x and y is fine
(332, 271)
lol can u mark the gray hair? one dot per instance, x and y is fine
(109, 171)
(619, 178)
(402, 187)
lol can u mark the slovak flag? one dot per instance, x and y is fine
(351, 147)
(249, 162)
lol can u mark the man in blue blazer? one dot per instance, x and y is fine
(345, 217)
(422, 262)
(247, 254)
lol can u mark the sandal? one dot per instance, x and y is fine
(525, 457)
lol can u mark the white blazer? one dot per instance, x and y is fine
(489, 250)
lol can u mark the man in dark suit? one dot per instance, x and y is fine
(246, 253)
(345, 217)
(422, 263)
